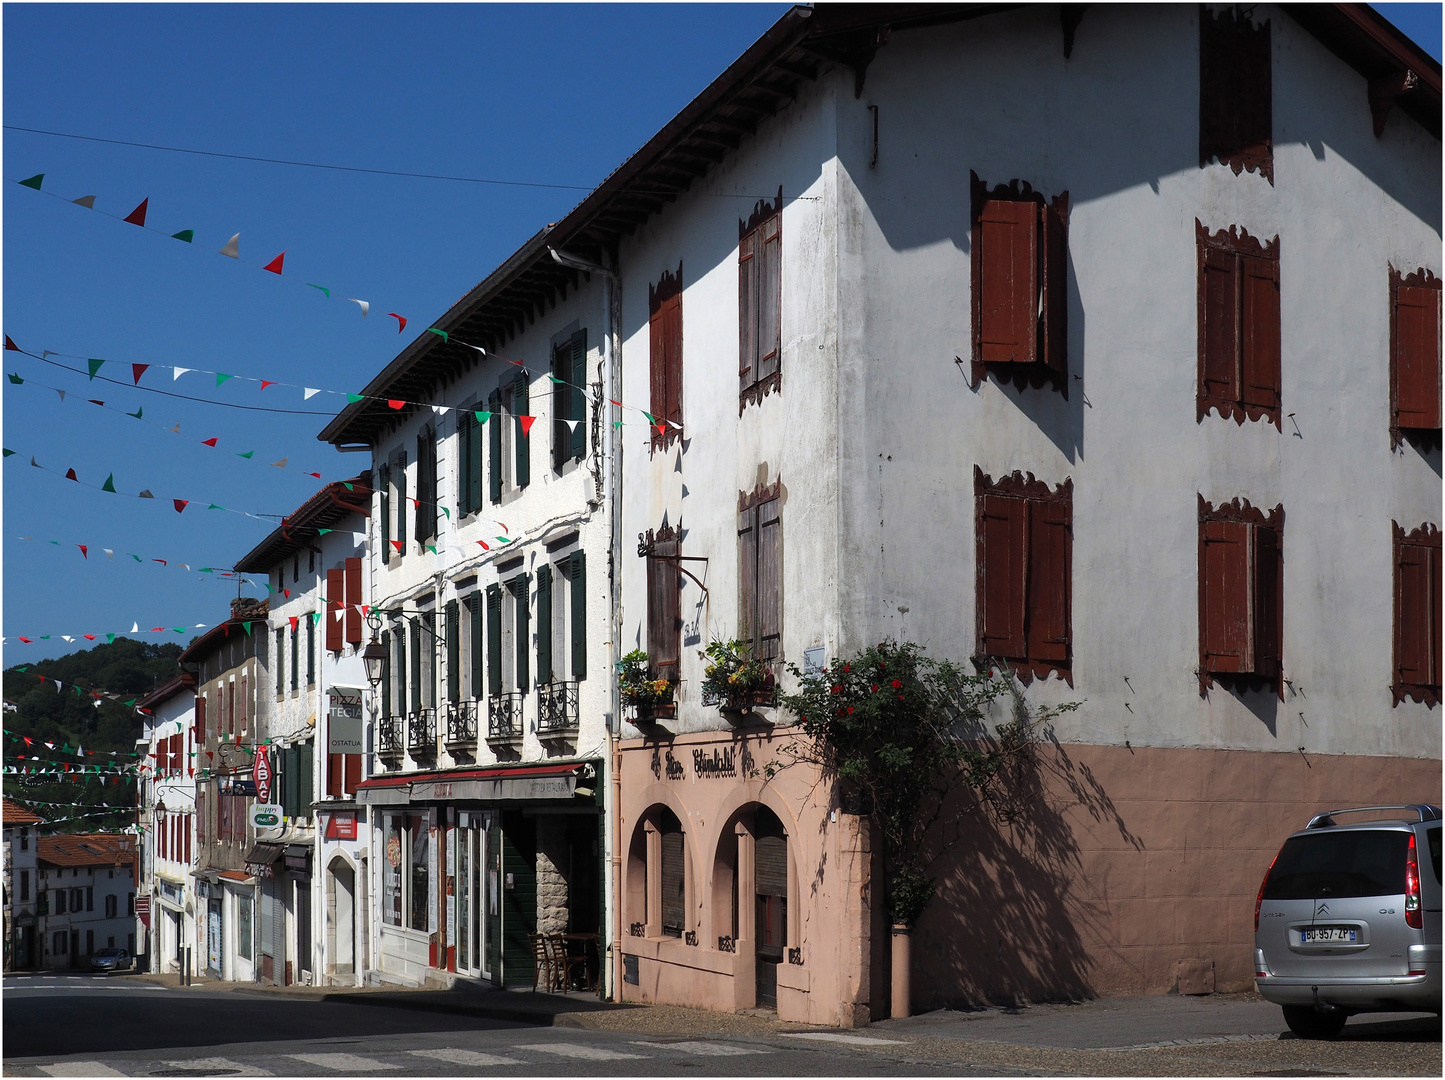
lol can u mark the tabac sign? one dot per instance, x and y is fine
(345, 734)
(261, 774)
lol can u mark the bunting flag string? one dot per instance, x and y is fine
(16, 380)
(215, 573)
(109, 485)
(109, 636)
(79, 751)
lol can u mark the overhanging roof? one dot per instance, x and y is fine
(766, 78)
(299, 530)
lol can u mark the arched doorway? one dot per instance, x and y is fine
(341, 917)
(770, 889)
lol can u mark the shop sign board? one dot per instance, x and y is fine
(265, 816)
(345, 732)
(261, 774)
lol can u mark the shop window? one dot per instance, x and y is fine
(392, 874)
(664, 307)
(1018, 273)
(418, 884)
(760, 571)
(243, 927)
(1239, 325)
(1023, 574)
(1235, 93)
(1417, 615)
(672, 872)
(569, 401)
(664, 601)
(1414, 356)
(760, 301)
(1241, 596)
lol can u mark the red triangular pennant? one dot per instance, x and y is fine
(138, 215)
(137, 370)
(527, 422)
(401, 321)
(210, 442)
(83, 552)
(292, 620)
(70, 475)
(265, 383)
(181, 504)
(11, 345)
(396, 544)
(395, 404)
(275, 264)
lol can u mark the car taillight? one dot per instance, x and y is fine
(1260, 898)
(1413, 915)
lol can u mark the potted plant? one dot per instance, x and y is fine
(650, 699)
(733, 679)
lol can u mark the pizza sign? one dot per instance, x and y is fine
(261, 775)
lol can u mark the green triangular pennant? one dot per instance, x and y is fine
(247, 627)
(33, 182)
(137, 413)
(185, 234)
(315, 617)
(323, 288)
(447, 512)
(16, 379)
(131, 702)
(352, 399)
(110, 639)
(431, 547)
(8, 453)
(109, 484)
(95, 366)
(482, 417)
(215, 506)
(322, 532)
(247, 455)
(222, 377)
(439, 333)
(348, 487)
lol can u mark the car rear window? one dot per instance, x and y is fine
(1367, 862)
(1432, 837)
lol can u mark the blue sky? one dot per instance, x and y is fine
(548, 94)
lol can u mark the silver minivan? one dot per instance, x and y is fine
(1348, 918)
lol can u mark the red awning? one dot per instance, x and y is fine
(494, 784)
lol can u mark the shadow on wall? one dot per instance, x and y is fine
(1007, 925)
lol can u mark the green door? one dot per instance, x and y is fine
(519, 897)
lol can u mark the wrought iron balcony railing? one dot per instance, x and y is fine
(504, 717)
(557, 710)
(461, 722)
(421, 732)
(389, 736)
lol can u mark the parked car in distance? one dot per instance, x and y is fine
(1348, 918)
(111, 959)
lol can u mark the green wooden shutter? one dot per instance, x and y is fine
(290, 788)
(385, 513)
(494, 638)
(454, 652)
(578, 378)
(519, 590)
(521, 406)
(305, 781)
(579, 615)
(495, 445)
(386, 674)
(479, 671)
(474, 462)
(401, 501)
(464, 461)
(519, 897)
(544, 624)
(416, 665)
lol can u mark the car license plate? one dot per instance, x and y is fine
(1316, 934)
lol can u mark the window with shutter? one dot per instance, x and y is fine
(494, 640)
(674, 879)
(521, 407)
(544, 624)
(352, 768)
(416, 665)
(352, 599)
(664, 602)
(1417, 614)
(426, 485)
(1235, 92)
(569, 400)
(521, 630)
(578, 612)
(200, 719)
(295, 657)
(1024, 573)
(760, 279)
(310, 649)
(664, 305)
(1414, 357)
(494, 446)
(335, 777)
(454, 651)
(398, 478)
(478, 687)
(1241, 596)
(760, 570)
(335, 616)
(386, 687)
(1238, 325)
(305, 777)
(1019, 270)
(383, 514)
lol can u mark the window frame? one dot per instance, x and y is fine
(760, 373)
(1260, 605)
(1228, 42)
(1248, 260)
(1428, 432)
(662, 549)
(1422, 544)
(569, 401)
(425, 525)
(757, 611)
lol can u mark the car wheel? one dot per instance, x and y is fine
(1308, 1023)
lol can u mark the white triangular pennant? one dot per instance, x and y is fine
(178, 372)
(134, 628)
(109, 554)
(310, 393)
(572, 425)
(233, 247)
(365, 305)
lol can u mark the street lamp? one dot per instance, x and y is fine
(374, 655)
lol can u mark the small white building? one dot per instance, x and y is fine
(21, 883)
(178, 918)
(87, 897)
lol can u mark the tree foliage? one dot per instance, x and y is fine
(903, 731)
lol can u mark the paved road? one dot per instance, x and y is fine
(76, 1025)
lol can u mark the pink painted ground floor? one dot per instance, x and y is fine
(1130, 871)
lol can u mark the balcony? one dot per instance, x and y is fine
(556, 710)
(461, 719)
(504, 718)
(389, 736)
(421, 732)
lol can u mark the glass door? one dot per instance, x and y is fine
(472, 905)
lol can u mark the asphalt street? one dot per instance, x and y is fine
(81, 1025)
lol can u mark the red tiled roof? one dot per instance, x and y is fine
(15, 814)
(86, 849)
(234, 875)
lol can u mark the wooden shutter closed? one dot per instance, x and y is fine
(1224, 597)
(770, 298)
(664, 620)
(335, 775)
(305, 777)
(1055, 248)
(521, 406)
(748, 575)
(399, 476)
(1235, 90)
(352, 768)
(1417, 614)
(674, 883)
(770, 581)
(200, 720)
(1049, 551)
(454, 651)
(577, 394)
(290, 781)
(353, 600)
(494, 639)
(1002, 567)
(770, 854)
(1261, 338)
(749, 249)
(657, 360)
(423, 483)
(335, 594)
(385, 512)
(386, 674)
(1219, 282)
(478, 651)
(475, 438)
(1417, 357)
(544, 624)
(1268, 608)
(416, 667)
(523, 625)
(465, 476)
(672, 332)
(579, 615)
(1009, 289)
(494, 447)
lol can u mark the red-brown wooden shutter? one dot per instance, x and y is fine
(1417, 357)
(200, 720)
(202, 825)
(351, 596)
(1224, 596)
(1009, 286)
(770, 581)
(770, 298)
(1055, 353)
(1219, 282)
(1002, 556)
(353, 773)
(186, 825)
(748, 251)
(1417, 614)
(1268, 600)
(748, 576)
(1261, 344)
(334, 774)
(664, 619)
(1049, 580)
(657, 361)
(672, 336)
(335, 594)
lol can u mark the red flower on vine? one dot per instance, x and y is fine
(896, 684)
(875, 688)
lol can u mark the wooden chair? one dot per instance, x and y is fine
(545, 968)
(563, 963)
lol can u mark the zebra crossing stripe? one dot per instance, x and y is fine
(848, 1040)
(470, 1058)
(343, 1063)
(79, 1068)
(219, 1064)
(581, 1053)
(704, 1049)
